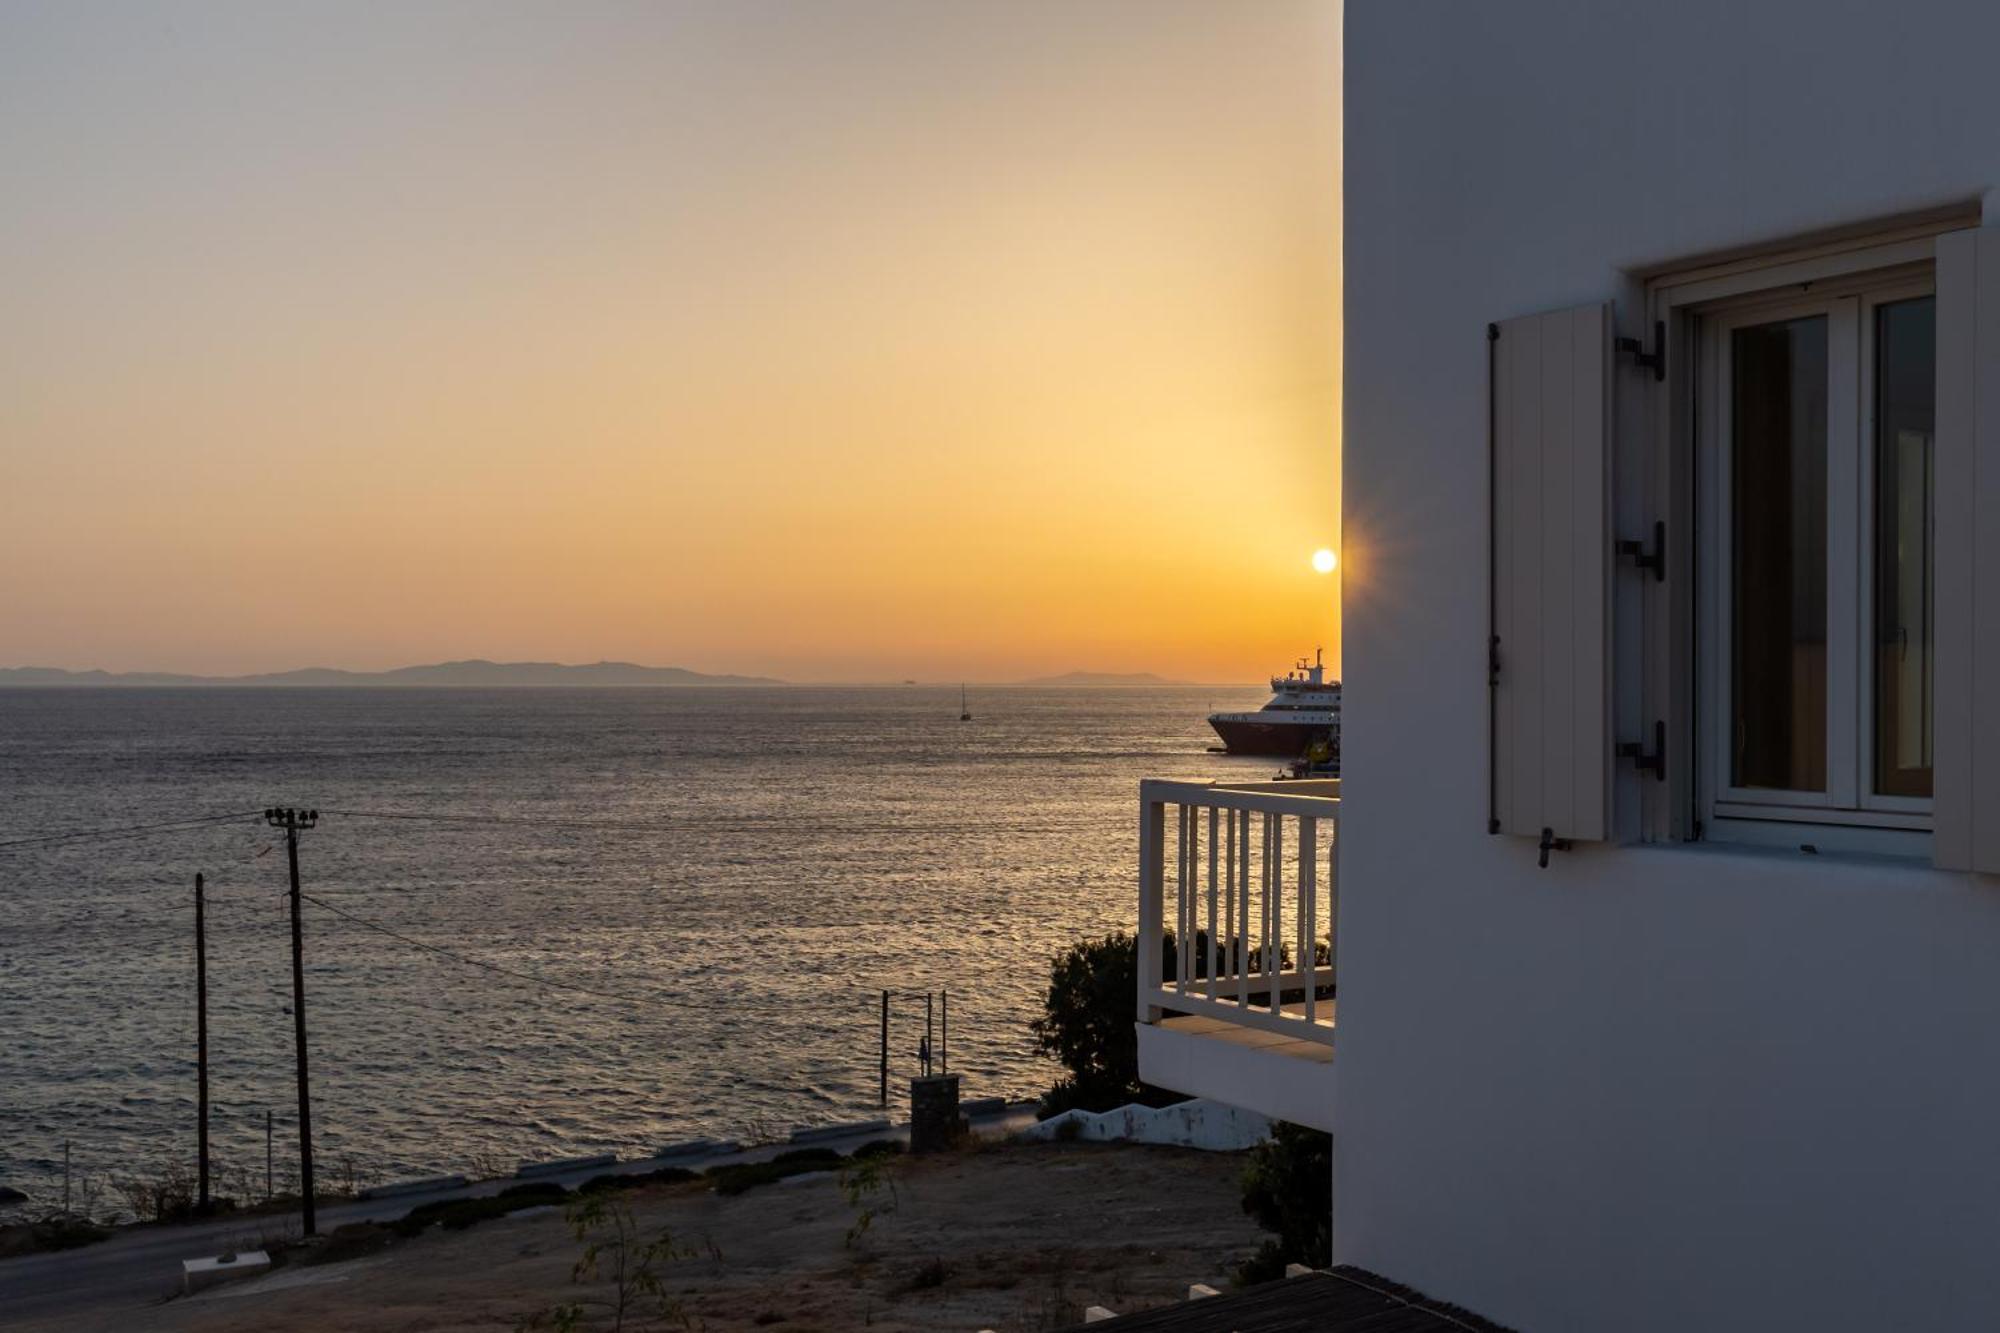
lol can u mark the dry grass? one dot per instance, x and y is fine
(1011, 1238)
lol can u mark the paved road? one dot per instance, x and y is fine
(140, 1266)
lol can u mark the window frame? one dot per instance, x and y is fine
(1714, 640)
(1894, 262)
(1911, 289)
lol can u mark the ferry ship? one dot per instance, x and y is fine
(1304, 709)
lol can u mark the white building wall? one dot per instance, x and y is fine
(1663, 1087)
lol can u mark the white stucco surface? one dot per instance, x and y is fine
(1660, 1087)
(1262, 1077)
(1208, 1125)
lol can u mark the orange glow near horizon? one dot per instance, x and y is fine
(856, 342)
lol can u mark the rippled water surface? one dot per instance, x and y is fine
(742, 869)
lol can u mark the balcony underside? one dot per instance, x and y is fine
(1284, 1077)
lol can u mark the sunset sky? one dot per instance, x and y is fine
(826, 341)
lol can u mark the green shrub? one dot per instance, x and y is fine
(536, 1191)
(458, 1214)
(354, 1240)
(1288, 1189)
(631, 1180)
(52, 1233)
(740, 1177)
(877, 1148)
(1087, 1024)
(736, 1177)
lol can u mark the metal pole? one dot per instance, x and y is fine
(885, 1047)
(267, 1153)
(930, 1003)
(65, 1175)
(201, 1048)
(944, 1032)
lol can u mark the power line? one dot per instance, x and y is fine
(624, 996)
(131, 830)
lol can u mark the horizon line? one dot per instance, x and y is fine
(414, 676)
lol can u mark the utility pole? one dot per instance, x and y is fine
(200, 1050)
(292, 821)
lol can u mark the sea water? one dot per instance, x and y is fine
(620, 917)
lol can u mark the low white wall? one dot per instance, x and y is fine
(1208, 1125)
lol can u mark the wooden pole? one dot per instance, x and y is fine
(201, 1048)
(311, 1224)
(885, 1047)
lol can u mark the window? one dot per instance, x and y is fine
(1905, 372)
(1815, 420)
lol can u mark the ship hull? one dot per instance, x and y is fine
(1279, 740)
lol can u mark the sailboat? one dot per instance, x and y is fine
(964, 712)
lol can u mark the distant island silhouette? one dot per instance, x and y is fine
(1102, 678)
(476, 671)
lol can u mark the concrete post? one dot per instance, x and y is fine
(935, 1123)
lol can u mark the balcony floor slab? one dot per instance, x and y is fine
(1287, 1078)
(1217, 1029)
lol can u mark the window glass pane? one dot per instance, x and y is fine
(1905, 407)
(1778, 402)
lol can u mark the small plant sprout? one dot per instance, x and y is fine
(863, 1183)
(618, 1254)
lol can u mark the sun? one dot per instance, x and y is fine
(1325, 560)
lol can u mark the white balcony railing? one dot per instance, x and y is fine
(1238, 881)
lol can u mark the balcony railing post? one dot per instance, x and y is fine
(1184, 932)
(1267, 935)
(1180, 896)
(1333, 906)
(1308, 913)
(1243, 910)
(1213, 844)
(1152, 837)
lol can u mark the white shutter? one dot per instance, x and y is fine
(1551, 697)
(1966, 609)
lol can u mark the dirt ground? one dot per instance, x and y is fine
(1010, 1237)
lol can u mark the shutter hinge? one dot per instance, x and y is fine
(1655, 559)
(1550, 843)
(1493, 659)
(1657, 358)
(1654, 763)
